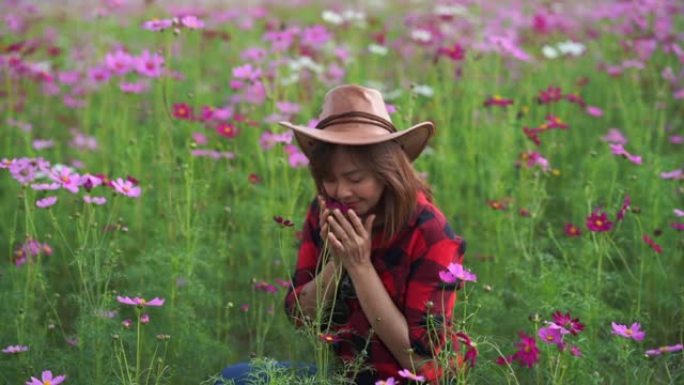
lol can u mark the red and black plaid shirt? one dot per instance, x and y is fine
(408, 266)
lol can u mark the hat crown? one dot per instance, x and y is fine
(349, 98)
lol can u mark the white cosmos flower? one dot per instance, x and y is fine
(549, 52)
(424, 90)
(571, 47)
(332, 17)
(421, 35)
(378, 49)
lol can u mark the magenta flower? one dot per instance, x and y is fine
(46, 202)
(552, 334)
(145, 319)
(549, 95)
(652, 244)
(664, 349)
(619, 150)
(15, 349)
(598, 221)
(527, 354)
(634, 332)
(127, 323)
(456, 271)
(625, 205)
(575, 351)
(497, 100)
(126, 188)
(572, 325)
(571, 230)
(456, 52)
(140, 302)
(47, 379)
(149, 64)
(411, 376)
(534, 158)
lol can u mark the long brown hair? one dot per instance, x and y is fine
(388, 162)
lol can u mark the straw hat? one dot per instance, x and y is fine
(355, 115)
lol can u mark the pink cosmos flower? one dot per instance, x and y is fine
(389, 381)
(42, 144)
(664, 349)
(126, 188)
(134, 87)
(618, 149)
(598, 221)
(594, 111)
(15, 349)
(676, 139)
(456, 52)
(99, 201)
(614, 136)
(99, 74)
(411, 376)
(191, 22)
(535, 159)
(182, 111)
(288, 108)
(157, 25)
(295, 157)
(127, 323)
(315, 37)
(119, 62)
(552, 335)
(47, 379)
(46, 202)
(674, 174)
(199, 138)
(634, 332)
(68, 179)
(247, 72)
(45, 186)
(145, 319)
(149, 64)
(679, 213)
(140, 302)
(456, 271)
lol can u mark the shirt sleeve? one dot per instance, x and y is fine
(429, 302)
(307, 259)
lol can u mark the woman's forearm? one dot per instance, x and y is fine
(384, 316)
(319, 291)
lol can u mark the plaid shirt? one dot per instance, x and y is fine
(408, 266)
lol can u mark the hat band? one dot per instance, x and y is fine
(348, 117)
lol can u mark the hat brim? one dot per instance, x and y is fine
(412, 140)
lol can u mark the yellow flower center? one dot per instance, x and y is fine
(549, 338)
(65, 179)
(599, 223)
(47, 382)
(629, 332)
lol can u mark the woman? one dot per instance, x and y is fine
(373, 242)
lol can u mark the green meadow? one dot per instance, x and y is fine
(160, 142)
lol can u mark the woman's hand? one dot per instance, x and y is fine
(323, 215)
(350, 238)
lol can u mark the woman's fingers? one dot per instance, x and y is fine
(356, 223)
(344, 223)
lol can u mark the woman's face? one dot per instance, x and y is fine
(352, 184)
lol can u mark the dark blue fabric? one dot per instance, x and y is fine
(241, 373)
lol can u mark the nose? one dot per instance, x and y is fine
(342, 191)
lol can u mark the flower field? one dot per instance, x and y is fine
(151, 206)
